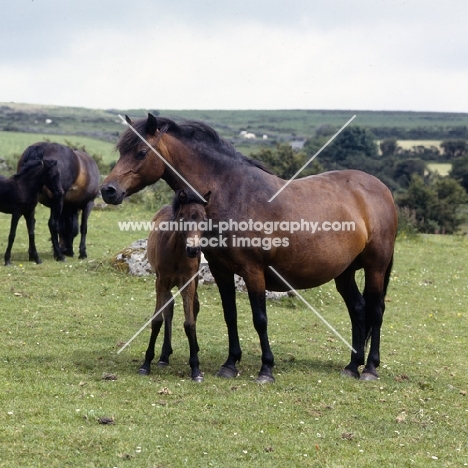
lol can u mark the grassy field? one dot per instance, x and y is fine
(62, 324)
(12, 144)
(278, 124)
(408, 144)
(442, 169)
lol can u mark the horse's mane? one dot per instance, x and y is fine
(32, 157)
(194, 134)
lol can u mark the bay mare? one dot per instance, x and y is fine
(241, 189)
(75, 189)
(174, 256)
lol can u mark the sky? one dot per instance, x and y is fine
(217, 54)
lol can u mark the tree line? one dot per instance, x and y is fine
(427, 202)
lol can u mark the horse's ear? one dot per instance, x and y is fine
(128, 119)
(182, 196)
(151, 125)
(207, 197)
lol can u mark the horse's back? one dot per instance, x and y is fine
(85, 187)
(79, 174)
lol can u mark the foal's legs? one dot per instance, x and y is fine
(190, 300)
(30, 224)
(166, 349)
(163, 297)
(11, 237)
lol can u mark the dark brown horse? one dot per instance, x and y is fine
(242, 189)
(174, 255)
(76, 189)
(19, 196)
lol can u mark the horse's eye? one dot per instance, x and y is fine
(142, 154)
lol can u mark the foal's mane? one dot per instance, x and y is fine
(191, 197)
(33, 156)
(196, 135)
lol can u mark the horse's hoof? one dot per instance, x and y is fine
(162, 364)
(368, 376)
(197, 378)
(143, 371)
(227, 372)
(82, 257)
(265, 378)
(349, 373)
(61, 259)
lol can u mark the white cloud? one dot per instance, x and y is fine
(365, 55)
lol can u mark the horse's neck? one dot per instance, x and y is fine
(205, 172)
(32, 182)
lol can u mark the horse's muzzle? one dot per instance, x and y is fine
(111, 194)
(193, 252)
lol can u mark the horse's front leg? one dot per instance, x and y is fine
(30, 224)
(256, 289)
(190, 300)
(11, 237)
(84, 228)
(55, 212)
(227, 291)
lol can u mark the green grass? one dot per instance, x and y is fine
(278, 124)
(12, 144)
(61, 324)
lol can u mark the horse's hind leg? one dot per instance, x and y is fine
(191, 307)
(163, 299)
(374, 296)
(54, 222)
(30, 224)
(84, 229)
(11, 237)
(346, 286)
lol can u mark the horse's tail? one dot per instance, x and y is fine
(388, 272)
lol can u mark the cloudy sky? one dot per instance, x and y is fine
(219, 54)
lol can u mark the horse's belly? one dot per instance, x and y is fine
(278, 279)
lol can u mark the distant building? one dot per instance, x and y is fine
(297, 144)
